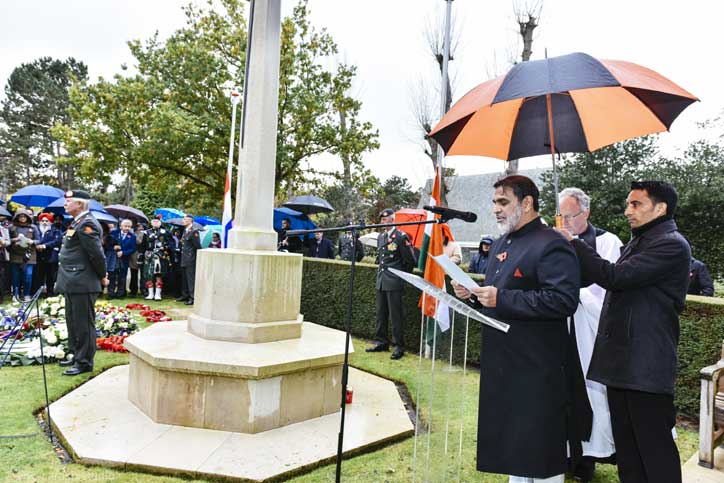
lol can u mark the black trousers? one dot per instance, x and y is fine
(188, 279)
(80, 317)
(45, 274)
(389, 305)
(133, 284)
(645, 448)
(4, 279)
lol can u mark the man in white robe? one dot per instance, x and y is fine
(575, 207)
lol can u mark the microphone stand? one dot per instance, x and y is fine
(354, 230)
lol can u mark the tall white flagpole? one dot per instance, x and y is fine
(227, 218)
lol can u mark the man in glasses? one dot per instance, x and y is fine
(575, 208)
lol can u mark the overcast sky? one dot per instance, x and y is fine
(384, 38)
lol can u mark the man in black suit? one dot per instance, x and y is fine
(394, 250)
(531, 282)
(321, 247)
(635, 351)
(190, 244)
(81, 273)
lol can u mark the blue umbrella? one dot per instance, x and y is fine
(298, 221)
(57, 206)
(36, 195)
(167, 213)
(207, 220)
(104, 216)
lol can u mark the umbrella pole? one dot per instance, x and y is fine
(559, 218)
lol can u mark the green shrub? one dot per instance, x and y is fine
(324, 301)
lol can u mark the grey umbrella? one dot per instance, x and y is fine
(4, 212)
(123, 211)
(309, 204)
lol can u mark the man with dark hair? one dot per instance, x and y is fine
(531, 282)
(700, 282)
(292, 244)
(635, 351)
(321, 247)
(190, 244)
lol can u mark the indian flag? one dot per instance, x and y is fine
(432, 245)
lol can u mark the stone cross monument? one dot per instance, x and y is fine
(245, 361)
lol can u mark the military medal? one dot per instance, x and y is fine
(392, 246)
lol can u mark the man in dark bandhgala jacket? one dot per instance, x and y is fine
(81, 273)
(635, 353)
(531, 282)
(321, 247)
(190, 244)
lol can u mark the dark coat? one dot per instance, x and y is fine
(345, 245)
(18, 253)
(323, 249)
(52, 239)
(190, 244)
(523, 419)
(479, 263)
(81, 265)
(394, 251)
(127, 244)
(700, 282)
(638, 331)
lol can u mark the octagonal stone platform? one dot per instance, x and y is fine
(100, 426)
(179, 378)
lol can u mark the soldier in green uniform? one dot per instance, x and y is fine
(393, 251)
(81, 273)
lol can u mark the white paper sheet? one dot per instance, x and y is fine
(455, 272)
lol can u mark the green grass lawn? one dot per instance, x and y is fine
(32, 459)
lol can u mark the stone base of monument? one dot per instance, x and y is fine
(177, 377)
(100, 426)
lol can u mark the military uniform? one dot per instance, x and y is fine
(156, 255)
(394, 251)
(81, 268)
(190, 244)
(346, 244)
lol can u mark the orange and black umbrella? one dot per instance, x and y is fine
(572, 103)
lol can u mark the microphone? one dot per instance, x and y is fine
(449, 214)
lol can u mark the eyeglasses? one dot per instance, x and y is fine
(570, 217)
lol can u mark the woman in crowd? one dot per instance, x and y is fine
(23, 235)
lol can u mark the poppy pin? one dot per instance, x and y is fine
(502, 256)
(518, 273)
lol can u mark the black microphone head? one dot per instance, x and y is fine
(471, 217)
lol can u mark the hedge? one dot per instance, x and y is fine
(324, 301)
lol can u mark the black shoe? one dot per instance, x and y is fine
(182, 299)
(397, 354)
(189, 302)
(65, 363)
(584, 470)
(378, 348)
(75, 370)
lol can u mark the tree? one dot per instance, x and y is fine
(36, 98)
(605, 175)
(171, 119)
(698, 176)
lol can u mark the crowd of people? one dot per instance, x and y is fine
(140, 260)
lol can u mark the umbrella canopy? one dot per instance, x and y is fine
(309, 205)
(167, 213)
(57, 206)
(175, 221)
(206, 220)
(36, 195)
(298, 221)
(4, 212)
(208, 234)
(104, 216)
(123, 211)
(369, 239)
(586, 103)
